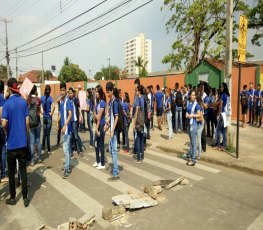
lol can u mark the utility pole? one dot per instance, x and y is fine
(109, 67)
(16, 63)
(42, 67)
(6, 44)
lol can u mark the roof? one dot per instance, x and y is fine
(34, 76)
(218, 64)
(256, 62)
(157, 73)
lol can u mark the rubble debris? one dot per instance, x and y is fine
(45, 227)
(185, 182)
(116, 217)
(146, 189)
(64, 226)
(158, 189)
(175, 182)
(86, 221)
(152, 192)
(108, 213)
(162, 183)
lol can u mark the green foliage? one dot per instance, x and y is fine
(141, 64)
(109, 73)
(200, 27)
(256, 22)
(71, 72)
(3, 72)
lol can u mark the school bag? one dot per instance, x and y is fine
(120, 123)
(34, 118)
(244, 98)
(139, 125)
(179, 99)
(147, 109)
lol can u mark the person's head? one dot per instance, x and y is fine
(2, 86)
(34, 90)
(176, 86)
(12, 85)
(190, 86)
(63, 90)
(259, 86)
(158, 87)
(244, 87)
(213, 91)
(148, 89)
(99, 92)
(184, 89)
(109, 89)
(192, 95)
(251, 85)
(71, 92)
(167, 92)
(116, 93)
(224, 88)
(126, 97)
(139, 91)
(137, 82)
(199, 99)
(201, 87)
(47, 90)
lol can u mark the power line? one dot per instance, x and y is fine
(14, 7)
(124, 15)
(65, 23)
(61, 35)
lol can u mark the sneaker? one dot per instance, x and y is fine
(49, 152)
(83, 148)
(39, 161)
(191, 163)
(66, 174)
(31, 164)
(26, 202)
(125, 151)
(95, 164)
(138, 162)
(90, 147)
(101, 167)
(10, 201)
(43, 152)
(113, 178)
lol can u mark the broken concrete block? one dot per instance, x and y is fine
(162, 183)
(64, 226)
(130, 191)
(86, 221)
(146, 189)
(176, 182)
(118, 210)
(106, 213)
(116, 217)
(152, 192)
(73, 223)
(158, 189)
(45, 227)
(89, 224)
(185, 182)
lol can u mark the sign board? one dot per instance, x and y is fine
(82, 100)
(26, 88)
(242, 39)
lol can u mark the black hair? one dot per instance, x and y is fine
(190, 86)
(244, 87)
(71, 89)
(101, 93)
(199, 99)
(137, 81)
(158, 87)
(225, 88)
(2, 86)
(140, 89)
(63, 85)
(259, 85)
(33, 91)
(213, 91)
(176, 85)
(116, 93)
(90, 96)
(109, 86)
(127, 98)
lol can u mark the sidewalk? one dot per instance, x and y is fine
(250, 148)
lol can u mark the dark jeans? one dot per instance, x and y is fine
(147, 124)
(221, 130)
(21, 156)
(75, 136)
(210, 124)
(251, 114)
(83, 126)
(99, 146)
(152, 118)
(140, 145)
(126, 134)
(203, 136)
(47, 125)
(59, 134)
(260, 116)
(90, 124)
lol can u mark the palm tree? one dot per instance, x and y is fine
(67, 62)
(139, 63)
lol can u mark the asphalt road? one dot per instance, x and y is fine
(217, 197)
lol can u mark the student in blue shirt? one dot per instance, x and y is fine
(192, 114)
(211, 100)
(90, 109)
(47, 110)
(258, 104)
(64, 118)
(244, 96)
(113, 95)
(159, 104)
(251, 92)
(100, 120)
(168, 112)
(127, 120)
(15, 122)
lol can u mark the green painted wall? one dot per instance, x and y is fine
(215, 76)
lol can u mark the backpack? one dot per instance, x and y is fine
(172, 105)
(120, 123)
(139, 125)
(33, 114)
(244, 98)
(147, 109)
(179, 99)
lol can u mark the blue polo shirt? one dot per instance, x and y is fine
(46, 105)
(168, 100)
(206, 101)
(113, 113)
(223, 98)
(90, 105)
(74, 116)
(257, 94)
(140, 102)
(159, 99)
(251, 93)
(125, 107)
(65, 106)
(101, 105)
(15, 111)
(2, 100)
(189, 111)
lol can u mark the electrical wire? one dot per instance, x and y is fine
(118, 18)
(15, 7)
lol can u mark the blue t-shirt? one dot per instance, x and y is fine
(46, 105)
(140, 102)
(113, 113)
(206, 101)
(211, 100)
(159, 99)
(2, 100)
(168, 100)
(257, 94)
(101, 105)
(251, 94)
(125, 107)
(65, 106)
(90, 105)
(223, 98)
(75, 113)
(15, 111)
(189, 111)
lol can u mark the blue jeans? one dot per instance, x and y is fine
(3, 153)
(139, 142)
(99, 146)
(170, 124)
(75, 136)
(192, 134)
(220, 129)
(178, 112)
(126, 133)
(113, 151)
(260, 116)
(47, 125)
(89, 122)
(251, 113)
(34, 138)
(67, 151)
(199, 142)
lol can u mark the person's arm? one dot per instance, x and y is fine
(135, 116)
(52, 109)
(116, 117)
(98, 117)
(27, 124)
(220, 107)
(58, 120)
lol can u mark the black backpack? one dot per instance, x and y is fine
(244, 98)
(120, 123)
(147, 108)
(33, 114)
(172, 105)
(179, 99)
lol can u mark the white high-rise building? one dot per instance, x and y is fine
(135, 47)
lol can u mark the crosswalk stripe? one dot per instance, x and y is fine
(102, 176)
(257, 224)
(176, 159)
(75, 195)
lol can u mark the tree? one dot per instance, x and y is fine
(200, 25)
(256, 22)
(3, 72)
(71, 72)
(109, 73)
(141, 64)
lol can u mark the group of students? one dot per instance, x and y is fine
(252, 100)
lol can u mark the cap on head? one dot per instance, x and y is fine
(13, 84)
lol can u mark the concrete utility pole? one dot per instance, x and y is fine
(42, 68)
(6, 44)
(16, 63)
(109, 66)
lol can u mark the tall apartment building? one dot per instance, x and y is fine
(135, 47)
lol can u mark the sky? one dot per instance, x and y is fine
(33, 18)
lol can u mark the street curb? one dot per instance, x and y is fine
(227, 164)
